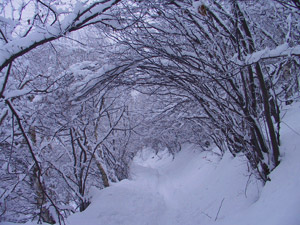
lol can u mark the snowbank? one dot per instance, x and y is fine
(279, 203)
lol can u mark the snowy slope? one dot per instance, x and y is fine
(279, 203)
(201, 188)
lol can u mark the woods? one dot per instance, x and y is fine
(85, 85)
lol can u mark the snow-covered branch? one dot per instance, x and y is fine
(280, 51)
(78, 18)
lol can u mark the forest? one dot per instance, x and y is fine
(85, 85)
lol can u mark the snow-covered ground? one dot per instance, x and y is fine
(200, 188)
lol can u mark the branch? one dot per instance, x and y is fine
(3, 36)
(54, 13)
(219, 209)
(280, 51)
(5, 80)
(21, 46)
(36, 162)
(98, 144)
(14, 112)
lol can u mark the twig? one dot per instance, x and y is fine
(206, 214)
(291, 128)
(36, 162)
(219, 209)
(248, 182)
(5, 80)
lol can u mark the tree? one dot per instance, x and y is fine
(29, 25)
(78, 145)
(219, 59)
(156, 73)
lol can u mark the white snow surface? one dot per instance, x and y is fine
(279, 51)
(201, 188)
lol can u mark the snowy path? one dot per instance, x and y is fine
(174, 183)
(200, 189)
(164, 191)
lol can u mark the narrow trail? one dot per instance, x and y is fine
(176, 183)
(165, 191)
(200, 188)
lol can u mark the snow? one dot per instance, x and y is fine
(199, 187)
(81, 15)
(289, 22)
(281, 50)
(186, 190)
(16, 93)
(279, 202)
